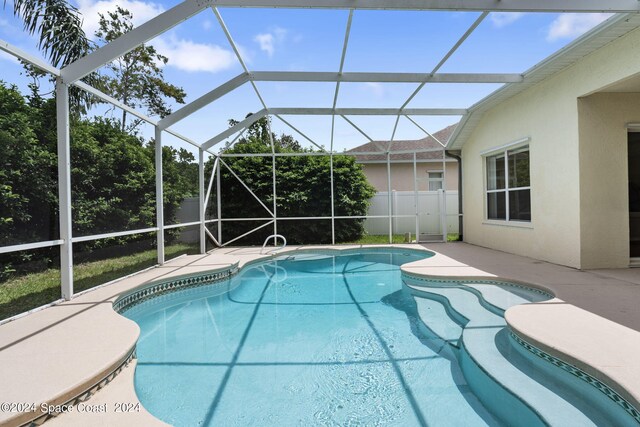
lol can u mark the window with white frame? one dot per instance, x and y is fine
(436, 179)
(508, 186)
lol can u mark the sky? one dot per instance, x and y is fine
(201, 58)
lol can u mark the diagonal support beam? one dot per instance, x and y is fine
(300, 132)
(203, 101)
(376, 143)
(211, 237)
(222, 162)
(424, 130)
(233, 129)
(247, 233)
(132, 39)
(103, 96)
(213, 175)
(357, 128)
(38, 63)
(233, 141)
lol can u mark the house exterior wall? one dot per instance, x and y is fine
(548, 114)
(604, 196)
(402, 175)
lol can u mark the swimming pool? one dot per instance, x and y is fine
(339, 339)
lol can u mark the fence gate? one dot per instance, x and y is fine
(427, 214)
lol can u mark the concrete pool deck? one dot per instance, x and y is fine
(53, 355)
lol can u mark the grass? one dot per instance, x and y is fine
(453, 237)
(397, 238)
(22, 293)
(370, 239)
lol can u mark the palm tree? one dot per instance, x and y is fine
(58, 26)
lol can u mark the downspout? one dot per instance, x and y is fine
(459, 159)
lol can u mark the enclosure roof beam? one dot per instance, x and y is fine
(24, 56)
(451, 51)
(38, 63)
(233, 129)
(362, 77)
(132, 39)
(188, 8)
(103, 96)
(456, 5)
(204, 100)
(184, 138)
(369, 111)
(335, 95)
(237, 52)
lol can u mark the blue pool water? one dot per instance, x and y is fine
(324, 340)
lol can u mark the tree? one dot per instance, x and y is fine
(112, 181)
(27, 179)
(303, 190)
(58, 27)
(137, 78)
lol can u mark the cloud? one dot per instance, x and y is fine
(375, 88)
(90, 10)
(268, 41)
(207, 24)
(190, 56)
(571, 25)
(502, 19)
(183, 54)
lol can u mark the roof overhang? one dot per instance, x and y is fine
(613, 28)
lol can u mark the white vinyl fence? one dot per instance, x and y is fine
(403, 208)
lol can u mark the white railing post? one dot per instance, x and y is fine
(159, 196)
(333, 212)
(395, 210)
(389, 213)
(201, 201)
(415, 196)
(64, 188)
(219, 201)
(443, 213)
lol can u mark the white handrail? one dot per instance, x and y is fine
(275, 242)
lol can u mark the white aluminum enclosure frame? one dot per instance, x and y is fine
(73, 73)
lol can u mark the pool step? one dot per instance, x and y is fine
(434, 314)
(504, 296)
(482, 355)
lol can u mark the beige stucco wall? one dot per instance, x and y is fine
(548, 114)
(402, 175)
(604, 199)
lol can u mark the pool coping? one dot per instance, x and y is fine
(438, 267)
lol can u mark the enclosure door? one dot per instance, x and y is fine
(430, 209)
